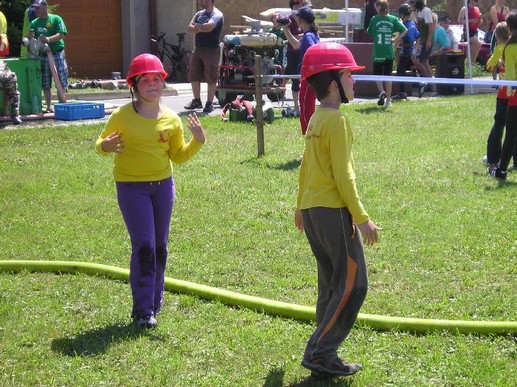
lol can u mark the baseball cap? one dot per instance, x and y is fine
(305, 13)
(445, 19)
(37, 3)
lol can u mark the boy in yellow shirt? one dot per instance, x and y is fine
(329, 209)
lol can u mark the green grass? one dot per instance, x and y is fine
(447, 251)
(477, 69)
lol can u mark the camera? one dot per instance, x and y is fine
(283, 21)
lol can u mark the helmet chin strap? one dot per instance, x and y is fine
(335, 76)
(133, 99)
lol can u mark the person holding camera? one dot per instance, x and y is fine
(293, 54)
(306, 20)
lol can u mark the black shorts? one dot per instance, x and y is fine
(293, 63)
(383, 68)
(423, 53)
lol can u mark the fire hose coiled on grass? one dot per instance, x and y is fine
(273, 307)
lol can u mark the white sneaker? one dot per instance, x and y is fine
(388, 103)
(146, 322)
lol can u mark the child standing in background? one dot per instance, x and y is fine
(407, 48)
(329, 209)
(9, 86)
(494, 64)
(382, 27)
(510, 73)
(145, 137)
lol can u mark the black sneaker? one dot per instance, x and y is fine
(16, 120)
(194, 104)
(382, 98)
(421, 89)
(320, 368)
(496, 173)
(209, 107)
(401, 96)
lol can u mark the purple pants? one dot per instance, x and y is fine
(147, 208)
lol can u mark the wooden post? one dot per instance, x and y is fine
(258, 99)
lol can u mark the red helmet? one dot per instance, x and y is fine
(142, 64)
(327, 56)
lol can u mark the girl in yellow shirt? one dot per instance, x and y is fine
(510, 73)
(146, 137)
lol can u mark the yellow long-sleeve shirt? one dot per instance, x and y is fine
(3, 32)
(327, 176)
(494, 58)
(510, 68)
(149, 144)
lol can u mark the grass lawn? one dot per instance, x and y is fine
(448, 251)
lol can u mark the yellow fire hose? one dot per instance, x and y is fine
(273, 307)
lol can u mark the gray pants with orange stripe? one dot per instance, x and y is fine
(342, 277)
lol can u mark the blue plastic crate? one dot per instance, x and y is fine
(78, 110)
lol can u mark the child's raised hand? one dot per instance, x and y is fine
(195, 127)
(113, 143)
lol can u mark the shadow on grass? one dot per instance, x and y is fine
(318, 382)
(275, 378)
(373, 109)
(185, 113)
(505, 184)
(501, 184)
(97, 341)
(287, 166)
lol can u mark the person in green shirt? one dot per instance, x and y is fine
(382, 27)
(50, 29)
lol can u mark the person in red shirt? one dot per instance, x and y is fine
(474, 21)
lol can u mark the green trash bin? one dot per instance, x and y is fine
(28, 73)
